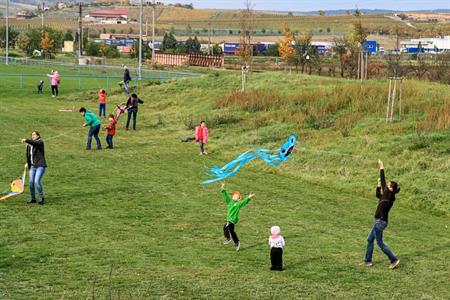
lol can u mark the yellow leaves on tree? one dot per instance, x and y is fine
(46, 42)
(358, 34)
(286, 50)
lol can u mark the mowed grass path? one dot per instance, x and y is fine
(135, 222)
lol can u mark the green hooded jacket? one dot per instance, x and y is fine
(233, 206)
(91, 119)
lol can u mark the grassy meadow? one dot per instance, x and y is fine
(135, 222)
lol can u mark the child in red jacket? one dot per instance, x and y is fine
(201, 136)
(111, 131)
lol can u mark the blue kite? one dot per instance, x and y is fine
(271, 157)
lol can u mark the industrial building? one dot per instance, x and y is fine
(426, 45)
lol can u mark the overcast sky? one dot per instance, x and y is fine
(312, 5)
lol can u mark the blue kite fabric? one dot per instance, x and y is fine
(271, 157)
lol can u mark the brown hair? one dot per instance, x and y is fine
(37, 133)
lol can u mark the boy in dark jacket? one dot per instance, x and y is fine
(386, 195)
(234, 205)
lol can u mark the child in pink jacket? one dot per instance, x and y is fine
(55, 80)
(201, 136)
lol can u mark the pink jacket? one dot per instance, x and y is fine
(201, 134)
(55, 79)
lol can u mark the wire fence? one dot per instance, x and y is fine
(26, 73)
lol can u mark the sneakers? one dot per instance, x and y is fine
(394, 265)
(238, 246)
(41, 202)
(367, 263)
(227, 241)
(32, 201)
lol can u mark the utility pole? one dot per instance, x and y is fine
(209, 38)
(7, 32)
(42, 14)
(80, 32)
(153, 33)
(141, 12)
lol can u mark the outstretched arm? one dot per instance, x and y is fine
(224, 192)
(382, 178)
(246, 200)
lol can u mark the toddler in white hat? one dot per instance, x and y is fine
(276, 243)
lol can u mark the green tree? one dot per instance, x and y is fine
(13, 37)
(68, 36)
(169, 42)
(217, 50)
(92, 49)
(193, 45)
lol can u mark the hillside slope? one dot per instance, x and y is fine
(135, 222)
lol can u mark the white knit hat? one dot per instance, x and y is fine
(275, 231)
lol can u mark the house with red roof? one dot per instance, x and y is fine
(108, 16)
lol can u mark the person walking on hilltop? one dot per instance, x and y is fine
(386, 195)
(126, 79)
(37, 165)
(94, 122)
(55, 80)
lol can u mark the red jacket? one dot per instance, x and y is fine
(201, 134)
(111, 127)
(101, 97)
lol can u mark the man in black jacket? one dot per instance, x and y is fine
(36, 164)
(386, 195)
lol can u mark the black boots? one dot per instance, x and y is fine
(41, 202)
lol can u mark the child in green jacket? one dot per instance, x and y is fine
(235, 203)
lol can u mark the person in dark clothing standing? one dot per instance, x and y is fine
(36, 164)
(126, 79)
(386, 195)
(132, 105)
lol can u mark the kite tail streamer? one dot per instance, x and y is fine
(270, 157)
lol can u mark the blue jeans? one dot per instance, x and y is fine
(134, 113)
(93, 131)
(102, 108)
(127, 87)
(377, 233)
(36, 174)
(109, 141)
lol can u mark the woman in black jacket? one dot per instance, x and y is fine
(386, 195)
(36, 164)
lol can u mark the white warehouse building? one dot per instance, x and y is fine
(433, 45)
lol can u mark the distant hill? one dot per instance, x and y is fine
(371, 11)
(328, 12)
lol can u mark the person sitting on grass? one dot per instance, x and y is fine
(111, 131)
(235, 203)
(94, 122)
(386, 195)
